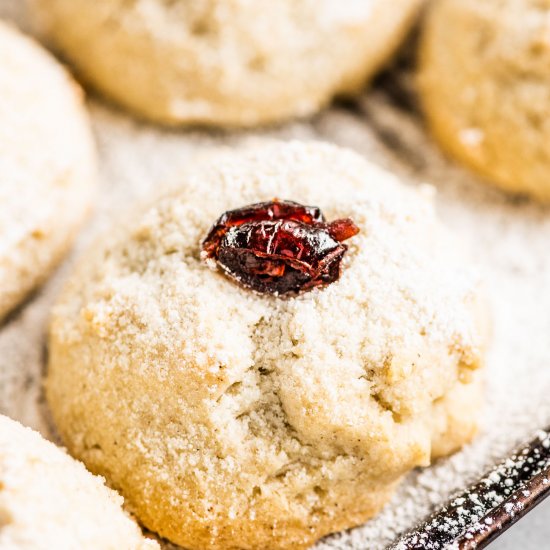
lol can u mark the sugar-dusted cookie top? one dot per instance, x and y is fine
(46, 164)
(227, 63)
(485, 88)
(226, 415)
(48, 500)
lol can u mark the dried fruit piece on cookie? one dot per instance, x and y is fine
(278, 246)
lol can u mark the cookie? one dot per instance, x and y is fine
(237, 63)
(238, 418)
(48, 500)
(485, 88)
(46, 165)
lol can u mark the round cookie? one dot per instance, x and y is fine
(226, 63)
(231, 419)
(485, 88)
(46, 165)
(48, 500)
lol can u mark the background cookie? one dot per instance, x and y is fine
(231, 419)
(46, 165)
(226, 63)
(485, 87)
(48, 500)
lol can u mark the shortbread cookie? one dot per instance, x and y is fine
(485, 88)
(48, 500)
(228, 63)
(238, 418)
(46, 165)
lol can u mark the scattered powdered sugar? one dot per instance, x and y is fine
(349, 11)
(472, 137)
(508, 239)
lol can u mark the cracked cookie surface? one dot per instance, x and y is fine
(232, 419)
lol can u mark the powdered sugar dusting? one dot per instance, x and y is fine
(349, 11)
(509, 240)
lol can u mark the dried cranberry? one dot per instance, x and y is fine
(278, 246)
